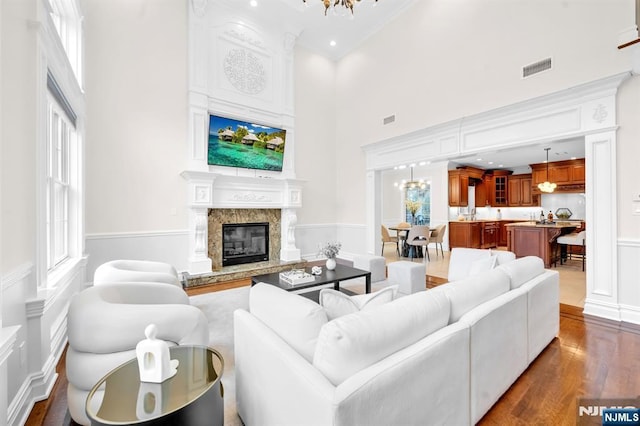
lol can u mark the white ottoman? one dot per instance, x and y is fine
(374, 264)
(409, 276)
(117, 271)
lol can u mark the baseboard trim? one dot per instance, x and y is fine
(577, 313)
(30, 393)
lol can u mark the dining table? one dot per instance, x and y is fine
(402, 232)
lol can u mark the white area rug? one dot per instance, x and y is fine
(218, 308)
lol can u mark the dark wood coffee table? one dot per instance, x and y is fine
(341, 273)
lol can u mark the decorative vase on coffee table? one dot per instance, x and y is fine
(331, 264)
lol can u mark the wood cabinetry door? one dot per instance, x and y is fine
(482, 198)
(500, 191)
(526, 192)
(577, 173)
(515, 191)
(560, 174)
(539, 176)
(475, 235)
(458, 190)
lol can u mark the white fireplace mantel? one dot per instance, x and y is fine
(207, 190)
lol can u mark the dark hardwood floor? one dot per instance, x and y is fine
(590, 358)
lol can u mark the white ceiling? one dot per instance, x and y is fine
(521, 157)
(315, 30)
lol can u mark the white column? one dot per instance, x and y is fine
(601, 223)
(288, 249)
(199, 261)
(200, 197)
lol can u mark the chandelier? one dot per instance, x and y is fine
(348, 4)
(547, 186)
(411, 184)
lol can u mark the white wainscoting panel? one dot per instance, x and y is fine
(629, 271)
(162, 246)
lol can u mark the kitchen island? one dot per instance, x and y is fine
(537, 239)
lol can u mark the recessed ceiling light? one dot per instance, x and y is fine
(332, 43)
(253, 3)
(478, 159)
(402, 167)
(574, 158)
(490, 162)
(422, 163)
(500, 165)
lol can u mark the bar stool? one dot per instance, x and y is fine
(575, 239)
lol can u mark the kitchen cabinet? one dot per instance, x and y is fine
(500, 191)
(492, 190)
(465, 234)
(569, 175)
(521, 191)
(459, 180)
(497, 187)
(458, 188)
(489, 234)
(502, 233)
(482, 194)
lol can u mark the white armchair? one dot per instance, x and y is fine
(136, 271)
(106, 322)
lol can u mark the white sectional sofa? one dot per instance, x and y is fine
(441, 356)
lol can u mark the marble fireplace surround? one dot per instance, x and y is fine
(213, 197)
(218, 217)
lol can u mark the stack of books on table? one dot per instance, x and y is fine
(296, 276)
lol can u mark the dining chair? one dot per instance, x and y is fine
(387, 238)
(419, 236)
(437, 237)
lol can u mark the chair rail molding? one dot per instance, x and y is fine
(587, 110)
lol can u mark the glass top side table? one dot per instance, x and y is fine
(194, 396)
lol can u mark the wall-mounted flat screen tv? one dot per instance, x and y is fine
(236, 143)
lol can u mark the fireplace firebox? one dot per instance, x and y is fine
(244, 243)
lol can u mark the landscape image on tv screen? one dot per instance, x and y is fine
(235, 143)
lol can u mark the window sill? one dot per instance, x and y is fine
(60, 276)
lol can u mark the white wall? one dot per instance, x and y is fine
(442, 60)
(136, 79)
(315, 136)
(18, 135)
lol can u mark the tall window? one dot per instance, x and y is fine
(422, 196)
(66, 18)
(60, 135)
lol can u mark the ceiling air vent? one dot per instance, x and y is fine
(535, 68)
(388, 120)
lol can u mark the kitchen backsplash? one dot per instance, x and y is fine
(574, 202)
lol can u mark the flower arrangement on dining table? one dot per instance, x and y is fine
(330, 250)
(413, 206)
